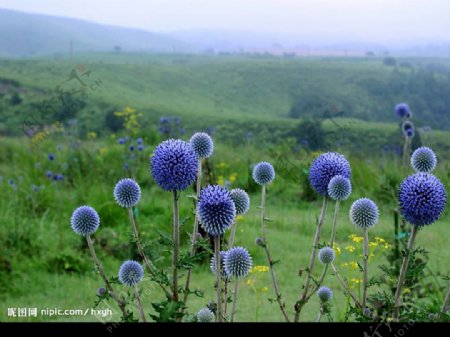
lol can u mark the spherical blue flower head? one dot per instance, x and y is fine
(422, 199)
(339, 188)
(238, 262)
(364, 213)
(326, 255)
(202, 144)
(423, 159)
(402, 110)
(85, 220)
(139, 141)
(131, 148)
(325, 294)
(121, 141)
(205, 315)
(140, 147)
(51, 156)
(263, 173)
(212, 264)
(131, 273)
(241, 200)
(324, 168)
(101, 291)
(216, 210)
(174, 165)
(49, 174)
(408, 128)
(127, 193)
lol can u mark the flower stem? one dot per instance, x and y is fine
(341, 281)
(233, 309)
(302, 301)
(269, 259)
(365, 265)
(148, 263)
(445, 304)
(119, 301)
(176, 246)
(194, 231)
(333, 231)
(218, 278)
(232, 234)
(319, 317)
(403, 270)
(139, 303)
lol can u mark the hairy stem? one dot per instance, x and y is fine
(303, 296)
(333, 231)
(445, 305)
(119, 301)
(194, 231)
(218, 278)
(232, 234)
(269, 259)
(341, 281)
(176, 246)
(151, 268)
(139, 303)
(403, 270)
(233, 309)
(365, 265)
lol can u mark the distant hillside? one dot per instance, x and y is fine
(24, 34)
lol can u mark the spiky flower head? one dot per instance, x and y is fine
(202, 144)
(174, 165)
(139, 141)
(51, 156)
(127, 193)
(241, 200)
(367, 312)
(402, 110)
(131, 273)
(423, 159)
(422, 199)
(259, 242)
(324, 168)
(205, 315)
(326, 255)
(85, 220)
(212, 264)
(408, 128)
(101, 291)
(238, 262)
(339, 188)
(216, 209)
(325, 294)
(263, 173)
(364, 213)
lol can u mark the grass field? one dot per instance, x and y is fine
(246, 102)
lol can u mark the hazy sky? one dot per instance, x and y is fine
(374, 20)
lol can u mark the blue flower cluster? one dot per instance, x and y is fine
(324, 168)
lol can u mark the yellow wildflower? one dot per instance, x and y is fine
(232, 177)
(91, 135)
(353, 265)
(102, 151)
(239, 218)
(264, 289)
(336, 248)
(373, 244)
(350, 248)
(250, 282)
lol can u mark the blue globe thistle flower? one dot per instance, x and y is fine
(126, 166)
(35, 188)
(202, 145)
(423, 159)
(367, 312)
(59, 177)
(238, 262)
(85, 220)
(324, 168)
(408, 128)
(49, 174)
(212, 265)
(55, 177)
(121, 141)
(422, 199)
(326, 255)
(101, 291)
(263, 173)
(402, 110)
(364, 213)
(339, 188)
(216, 209)
(131, 147)
(127, 193)
(131, 273)
(51, 156)
(325, 294)
(205, 315)
(241, 200)
(140, 147)
(139, 141)
(174, 165)
(11, 182)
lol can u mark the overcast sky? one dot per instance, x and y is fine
(371, 20)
